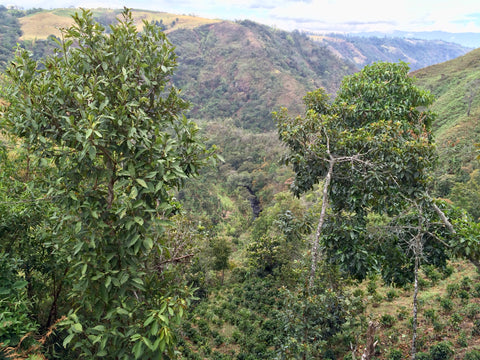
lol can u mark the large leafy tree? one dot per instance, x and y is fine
(101, 115)
(372, 149)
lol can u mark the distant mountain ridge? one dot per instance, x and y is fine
(467, 39)
(417, 53)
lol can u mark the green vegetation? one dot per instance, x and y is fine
(101, 122)
(9, 33)
(455, 85)
(117, 241)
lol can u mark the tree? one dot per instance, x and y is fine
(372, 149)
(103, 118)
(471, 91)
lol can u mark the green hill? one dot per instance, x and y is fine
(246, 70)
(456, 85)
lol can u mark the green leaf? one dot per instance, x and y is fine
(142, 183)
(148, 243)
(77, 327)
(67, 340)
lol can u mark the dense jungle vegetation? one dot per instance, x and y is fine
(345, 225)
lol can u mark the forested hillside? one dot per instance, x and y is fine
(327, 230)
(246, 70)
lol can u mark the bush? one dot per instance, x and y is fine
(402, 313)
(372, 286)
(456, 320)
(476, 328)
(391, 294)
(387, 320)
(452, 290)
(464, 295)
(466, 283)
(395, 354)
(476, 290)
(447, 271)
(422, 356)
(462, 339)
(446, 304)
(430, 315)
(471, 310)
(432, 273)
(441, 351)
(472, 355)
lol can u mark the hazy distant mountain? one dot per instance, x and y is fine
(418, 53)
(471, 40)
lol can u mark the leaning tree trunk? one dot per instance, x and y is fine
(321, 221)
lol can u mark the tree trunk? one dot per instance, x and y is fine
(321, 221)
(371, 343)
(418, 251)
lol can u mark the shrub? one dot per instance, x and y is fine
(387, 320)
(430, 315)
(391, 294)
(466, 283)
(476, 290)
(447, 271)
(372, 286)
(432, 273)
(395, 354)
(476, 328)
(441, 351)
(471, 310)
(464, 295)
(452, 290)
(423, 356)
(472, 355)
(446, 304)
(438, 326)
(456, 319)
(402, 313)
(462, 339)
(423, 284)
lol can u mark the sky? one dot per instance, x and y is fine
(343, 16)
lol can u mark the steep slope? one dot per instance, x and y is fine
(366, 50)
(456, 84)
(246, 70)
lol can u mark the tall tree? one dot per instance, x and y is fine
(103, 115)
(372, 149)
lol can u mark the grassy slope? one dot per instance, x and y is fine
(456, 132)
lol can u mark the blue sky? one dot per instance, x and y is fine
(312, 15)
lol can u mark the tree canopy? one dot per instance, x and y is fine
(372, 148)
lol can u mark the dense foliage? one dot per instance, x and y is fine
(101, 120)
(106, 250)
